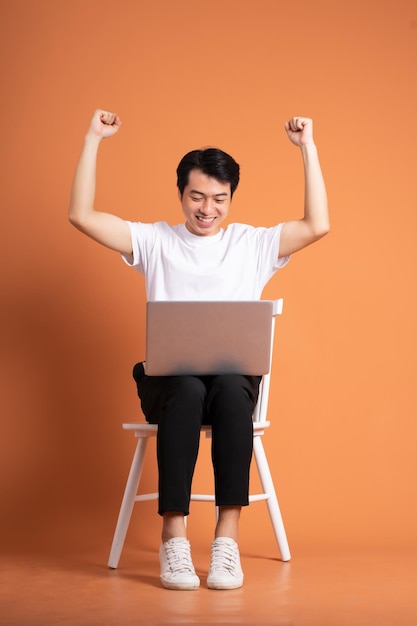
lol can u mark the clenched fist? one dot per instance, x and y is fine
(300, 130)
(104, 124)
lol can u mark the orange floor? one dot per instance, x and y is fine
(335, 588)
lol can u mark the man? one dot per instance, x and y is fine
(201, 260)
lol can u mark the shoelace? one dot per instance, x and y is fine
(179, 558)
(223, 558)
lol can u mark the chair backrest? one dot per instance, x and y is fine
(261, 408)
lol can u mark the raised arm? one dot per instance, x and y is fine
(107, 229)
(297, 234)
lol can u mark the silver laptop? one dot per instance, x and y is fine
(208, 338)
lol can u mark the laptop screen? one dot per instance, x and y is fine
(203, 338)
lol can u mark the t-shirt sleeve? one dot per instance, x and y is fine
(131, 259)
(268, 246)
(281, 261)
(143, 237)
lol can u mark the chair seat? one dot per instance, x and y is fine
(145, 429)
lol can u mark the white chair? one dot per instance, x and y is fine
(143, 431)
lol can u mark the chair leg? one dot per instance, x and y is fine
(127, 503)
(272, 501)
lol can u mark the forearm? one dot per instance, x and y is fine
(84, 183)
(316, 214)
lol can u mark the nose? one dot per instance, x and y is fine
(206, 206)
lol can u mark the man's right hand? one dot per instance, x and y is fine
(104, 124)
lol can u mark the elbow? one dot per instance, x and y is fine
(321, 230)
(325, 229)
(76, 217)
(76, 221)
(73, 219)
(323, 225)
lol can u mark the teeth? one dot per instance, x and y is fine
(205, 219)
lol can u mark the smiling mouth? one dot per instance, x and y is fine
(205, 220)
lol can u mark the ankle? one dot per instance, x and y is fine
(167, 536)
(228, 522)
(173, 526)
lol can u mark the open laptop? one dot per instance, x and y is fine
(203, 338)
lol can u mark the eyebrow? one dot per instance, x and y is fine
(223, 193)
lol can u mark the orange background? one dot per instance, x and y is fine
(182, 75)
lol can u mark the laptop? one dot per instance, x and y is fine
(203, 338)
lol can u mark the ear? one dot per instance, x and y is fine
(179, 195)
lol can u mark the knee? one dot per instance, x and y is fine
(233, 394)
(188, 390)
(233, 386)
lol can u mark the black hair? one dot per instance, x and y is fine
(212, 162)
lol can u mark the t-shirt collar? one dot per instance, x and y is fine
(198, 240)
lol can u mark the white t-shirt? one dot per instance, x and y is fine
(234, 264)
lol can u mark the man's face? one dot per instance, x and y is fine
(205, 203)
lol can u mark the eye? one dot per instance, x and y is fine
(195, 199)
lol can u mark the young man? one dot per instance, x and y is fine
(201, 260)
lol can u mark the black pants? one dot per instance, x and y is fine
(180, 405)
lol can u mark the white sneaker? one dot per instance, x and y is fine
(177, 569)
(225, 569)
